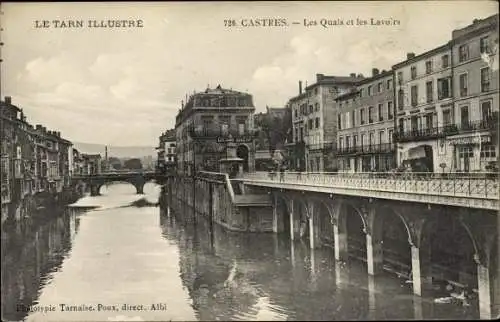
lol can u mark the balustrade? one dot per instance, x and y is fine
(478, 185)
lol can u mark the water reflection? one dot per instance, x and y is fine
(233, 276)
(30, 256)
(115, 254)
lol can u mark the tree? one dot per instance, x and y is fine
(277, 129)
(115, 163)
(133, 164)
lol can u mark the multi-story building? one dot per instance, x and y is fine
(473, 141)
(447, 103)
(424, 102)
(166, 151)
(215, 131)
(33, 159)
(274, 129)
(365, 125)
(314, 122)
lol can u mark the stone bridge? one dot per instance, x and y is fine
(137, 178)
(433, 227)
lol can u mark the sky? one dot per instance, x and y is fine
(124, 86)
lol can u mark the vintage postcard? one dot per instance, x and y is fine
(180, 161)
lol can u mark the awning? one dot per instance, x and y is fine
(416, 153)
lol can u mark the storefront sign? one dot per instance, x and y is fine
(470, 140)
(240, 139)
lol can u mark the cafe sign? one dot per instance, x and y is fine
(239, 139)
(470, 140)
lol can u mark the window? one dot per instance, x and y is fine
(391, 134)
(463, 84)
(428, 90)
(445, 61)
(362, 116)
(316, 91)
(297, 139)
(414, 95)
(372, 138)
(401, 124)
(485, 79)
(465, 152)
(428, 67)
(463, 53)
(369, 90)
(363, 140)
(341, 143)
(447, 117)
(414, 123)
(353, 119)
(347, 141)
(379, 87)
(390, 114)
(317, 122)
(361, 92)
(310, 122)
(316, 107)
(429, 124)
(370, 114)
(464, 116)
(241, 128)
(380, 113)
(488, 151)
(389, 83)
(484, 45)
(354, 140)
(295, 113)
(486, 110)
(443, 88)
(339, 122)
(311, 109)
(413, 72)
(400, 78)
(381, 138)
(401, 96)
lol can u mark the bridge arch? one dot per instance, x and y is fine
(449, 249)
(392, 231)
(352, 223)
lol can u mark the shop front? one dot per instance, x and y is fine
(472, 153)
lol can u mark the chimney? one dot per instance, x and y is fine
(44, 129)
(300, 87)
(374, 72)
(475, 21)
(58, 134)
(182, 105)
(353, 75)
(319, 77)
(39, 127)
(410, 56)
(8, 99)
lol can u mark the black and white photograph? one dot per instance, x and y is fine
(249, 161)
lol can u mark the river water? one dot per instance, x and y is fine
(120, 262)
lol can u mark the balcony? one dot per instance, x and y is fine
(366, 149)
(321, 146)
(448, 130)
(201, 132)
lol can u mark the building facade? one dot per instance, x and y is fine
(314, 122)
(424, 102)
(447, 103)
(92, 164)
(166, 151)
(365, 125)
(473, 141)
(33, 159)
(215, 132)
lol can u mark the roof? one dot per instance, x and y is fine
(426, 54)
(353, 92)
(220, 91)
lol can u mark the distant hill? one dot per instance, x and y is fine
(116, 151)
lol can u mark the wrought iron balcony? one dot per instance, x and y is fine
(448, 130)
(202, 132)
(366, 149)
(321, 146)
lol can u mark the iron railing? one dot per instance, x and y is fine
(321, 146)
(373, 148)
(447, 130)
(199, 131)
(475, 185)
